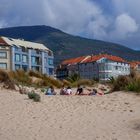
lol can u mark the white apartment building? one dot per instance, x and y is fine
(101, 67)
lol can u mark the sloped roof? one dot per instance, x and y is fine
(109, 57)
(88, 59)
(134, 64)
(19, 43)
(75, 60)
(2, 42)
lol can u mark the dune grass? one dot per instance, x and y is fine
(128, 83)
(6, 80)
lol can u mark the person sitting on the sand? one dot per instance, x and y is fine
(79, 90)
(63, 90)
(50, 91)
(68, 91)
(94, 92)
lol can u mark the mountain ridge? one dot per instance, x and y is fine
(67, 46)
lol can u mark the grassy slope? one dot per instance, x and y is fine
(67, 46)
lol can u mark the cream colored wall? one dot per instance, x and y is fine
(6, 60)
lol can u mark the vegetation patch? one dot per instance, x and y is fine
(21, 77)
(6, 80)
(128, 83)
(34, 96)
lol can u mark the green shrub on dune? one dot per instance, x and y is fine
(73, 78)
(128, 83)
(121, 82)
(134, 86)
(34, 96)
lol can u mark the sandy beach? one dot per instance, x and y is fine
(109, 117)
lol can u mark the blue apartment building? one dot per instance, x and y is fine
(20, 54)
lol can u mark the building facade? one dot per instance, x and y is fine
(19, 54)
(68, 67)
(101, 67)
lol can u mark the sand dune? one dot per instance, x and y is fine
(109, 117)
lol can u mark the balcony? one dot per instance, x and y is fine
(36, 60)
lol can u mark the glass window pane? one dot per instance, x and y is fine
(50, 61)
(17, 57)
(3, 66)
(17, 67)
(24, 58)
(3, 54)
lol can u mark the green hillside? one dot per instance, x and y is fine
(67, 46)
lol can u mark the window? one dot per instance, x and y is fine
(46, 60)
(109, 67)
(50, 61)
(3, 54)
(17, 57)
(116, 67)
(106, 67)
(35, 68)
(17, 67)
(33, 60)
(106, 75)
(24, 58)
(24, 67)
(3, 66)
(102, 68)
(50, 71)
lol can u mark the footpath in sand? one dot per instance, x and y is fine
(109, 117)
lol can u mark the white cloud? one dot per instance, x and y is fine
(79, 17)
(86, 17)
(72, 16)
(125, 26)
(97, 28)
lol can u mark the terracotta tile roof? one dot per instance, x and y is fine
(109, 57)
(74, 60)
(134, 64)
(3, 42)
(88, 59)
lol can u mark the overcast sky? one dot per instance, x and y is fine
(109, 20)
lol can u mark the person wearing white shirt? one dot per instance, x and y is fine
(69, 91)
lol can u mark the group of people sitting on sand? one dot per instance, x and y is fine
(68, 91)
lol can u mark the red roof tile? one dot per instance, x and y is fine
(134, 64)
(109, 57)
(73, 60)
(88, 59)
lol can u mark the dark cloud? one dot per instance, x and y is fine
(111, 20)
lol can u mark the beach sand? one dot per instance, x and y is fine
(109, 117)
